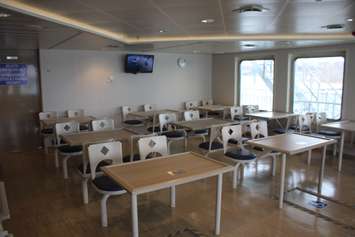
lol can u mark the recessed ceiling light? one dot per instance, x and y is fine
(349, 19)
(196, 51)
(249, 45)
(208, 21)
(162, 31)
(4, 15)
(11, 57)
(251, 8)
(333, 26)
(112, 46)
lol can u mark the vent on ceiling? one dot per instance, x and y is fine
(251, 8)
(333, 26)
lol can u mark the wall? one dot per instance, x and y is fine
(225, 75)
(80, 79)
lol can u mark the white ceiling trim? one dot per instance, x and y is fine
(121, 37)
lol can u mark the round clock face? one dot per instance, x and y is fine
(181, 62)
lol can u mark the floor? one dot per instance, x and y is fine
(42, 203)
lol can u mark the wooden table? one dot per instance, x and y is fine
(167, 172)
(274, 116)
(213, 108)
(291, 144)
(342, 126)
(54, 121)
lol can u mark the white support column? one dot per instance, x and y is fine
(218, 204)
(282, 181)
(134, 213)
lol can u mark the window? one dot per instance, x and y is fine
(256, 83)
(318, 85)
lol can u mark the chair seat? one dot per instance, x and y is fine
(200, 131)
(156, 129)
(107, 184)
(211, 113)
(47, 131)
(241, 118)
(88, 170)
(83, 127)
(236, 142)
(174, 134)
(133, 122)
(70, 149)
(240, 154)
(293, 126)
(214, 145)
(329, 133)
(279, 130)
(136, 157)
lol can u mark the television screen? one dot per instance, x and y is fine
(139, 63)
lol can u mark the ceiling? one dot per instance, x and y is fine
(136, 24)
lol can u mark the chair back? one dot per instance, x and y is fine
(191, 115)
(231, 132)
(154, 144)
(258, 129)
(321, 118)
(305, 120)
(4, 207)
(125, 110)
(75, 113)
(108, 151)
(191, 104)
(148, 107)
(102, 124)
(236, 111)
(66, 128)
(165, 120)
(248, 109)
(47, 115)
(207, 102)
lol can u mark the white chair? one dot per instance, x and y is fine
(259, 130)
(240, 155)
(125, 110)
(47, 133)
(152, 146)
(304, 124)
(4, 210)
(165, 122)
(75, 113)
(103, 124)
(64, 150)
(112, 152)
(195, 115)
(248, 109)
(192, 104)
(205, 102)
(148, 107)
(237, 113)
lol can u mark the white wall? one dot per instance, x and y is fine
(226, 75)
(79, 79)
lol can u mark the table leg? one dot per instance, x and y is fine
(341, 150)
(352, 138)
(153, 125)
(134, 209)
(321, 171)
(218, 204)
(172, 196)
(282, 182)
(287, 124)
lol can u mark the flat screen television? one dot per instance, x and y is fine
(139, 63)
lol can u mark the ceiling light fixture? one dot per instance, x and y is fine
(349, 19)
(251, 8)
(196, 51)
(112, 46)
(4, 15)
(333, 26)
(162, 31)
(208, 21)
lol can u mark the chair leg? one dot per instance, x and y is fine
(169, 143)
(56, 158)
(335, 147)
(84, 185)
(235, 175)
(185, 144)
(273, 165)
(309, 157)
(203, 138)
(65, 167)
(45, 144)
(241, 173)
(104, 210)
(173, 196)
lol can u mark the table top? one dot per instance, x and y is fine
(204, 123)
(83, 138)
(291, 143)
(163, 172)
(345, 125)
(81, 120)
(213, 108)
(271, 115)
(150, 114)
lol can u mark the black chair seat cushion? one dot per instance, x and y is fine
(240, 154)
(47, 131)
(213, 113)
(98, 167)
(133, 122)
(174, 134)
(329, 133)
(240, 118)
(105, 183)
(279, 130)
(201, 131)
(83, 127)
(293, 126)
(214, 145)
(136, 157)
(156, 129)
(70, 149)
(236, 142)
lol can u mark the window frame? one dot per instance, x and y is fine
(240, 76)
(322, 55)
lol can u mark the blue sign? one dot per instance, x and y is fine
(13, 74)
